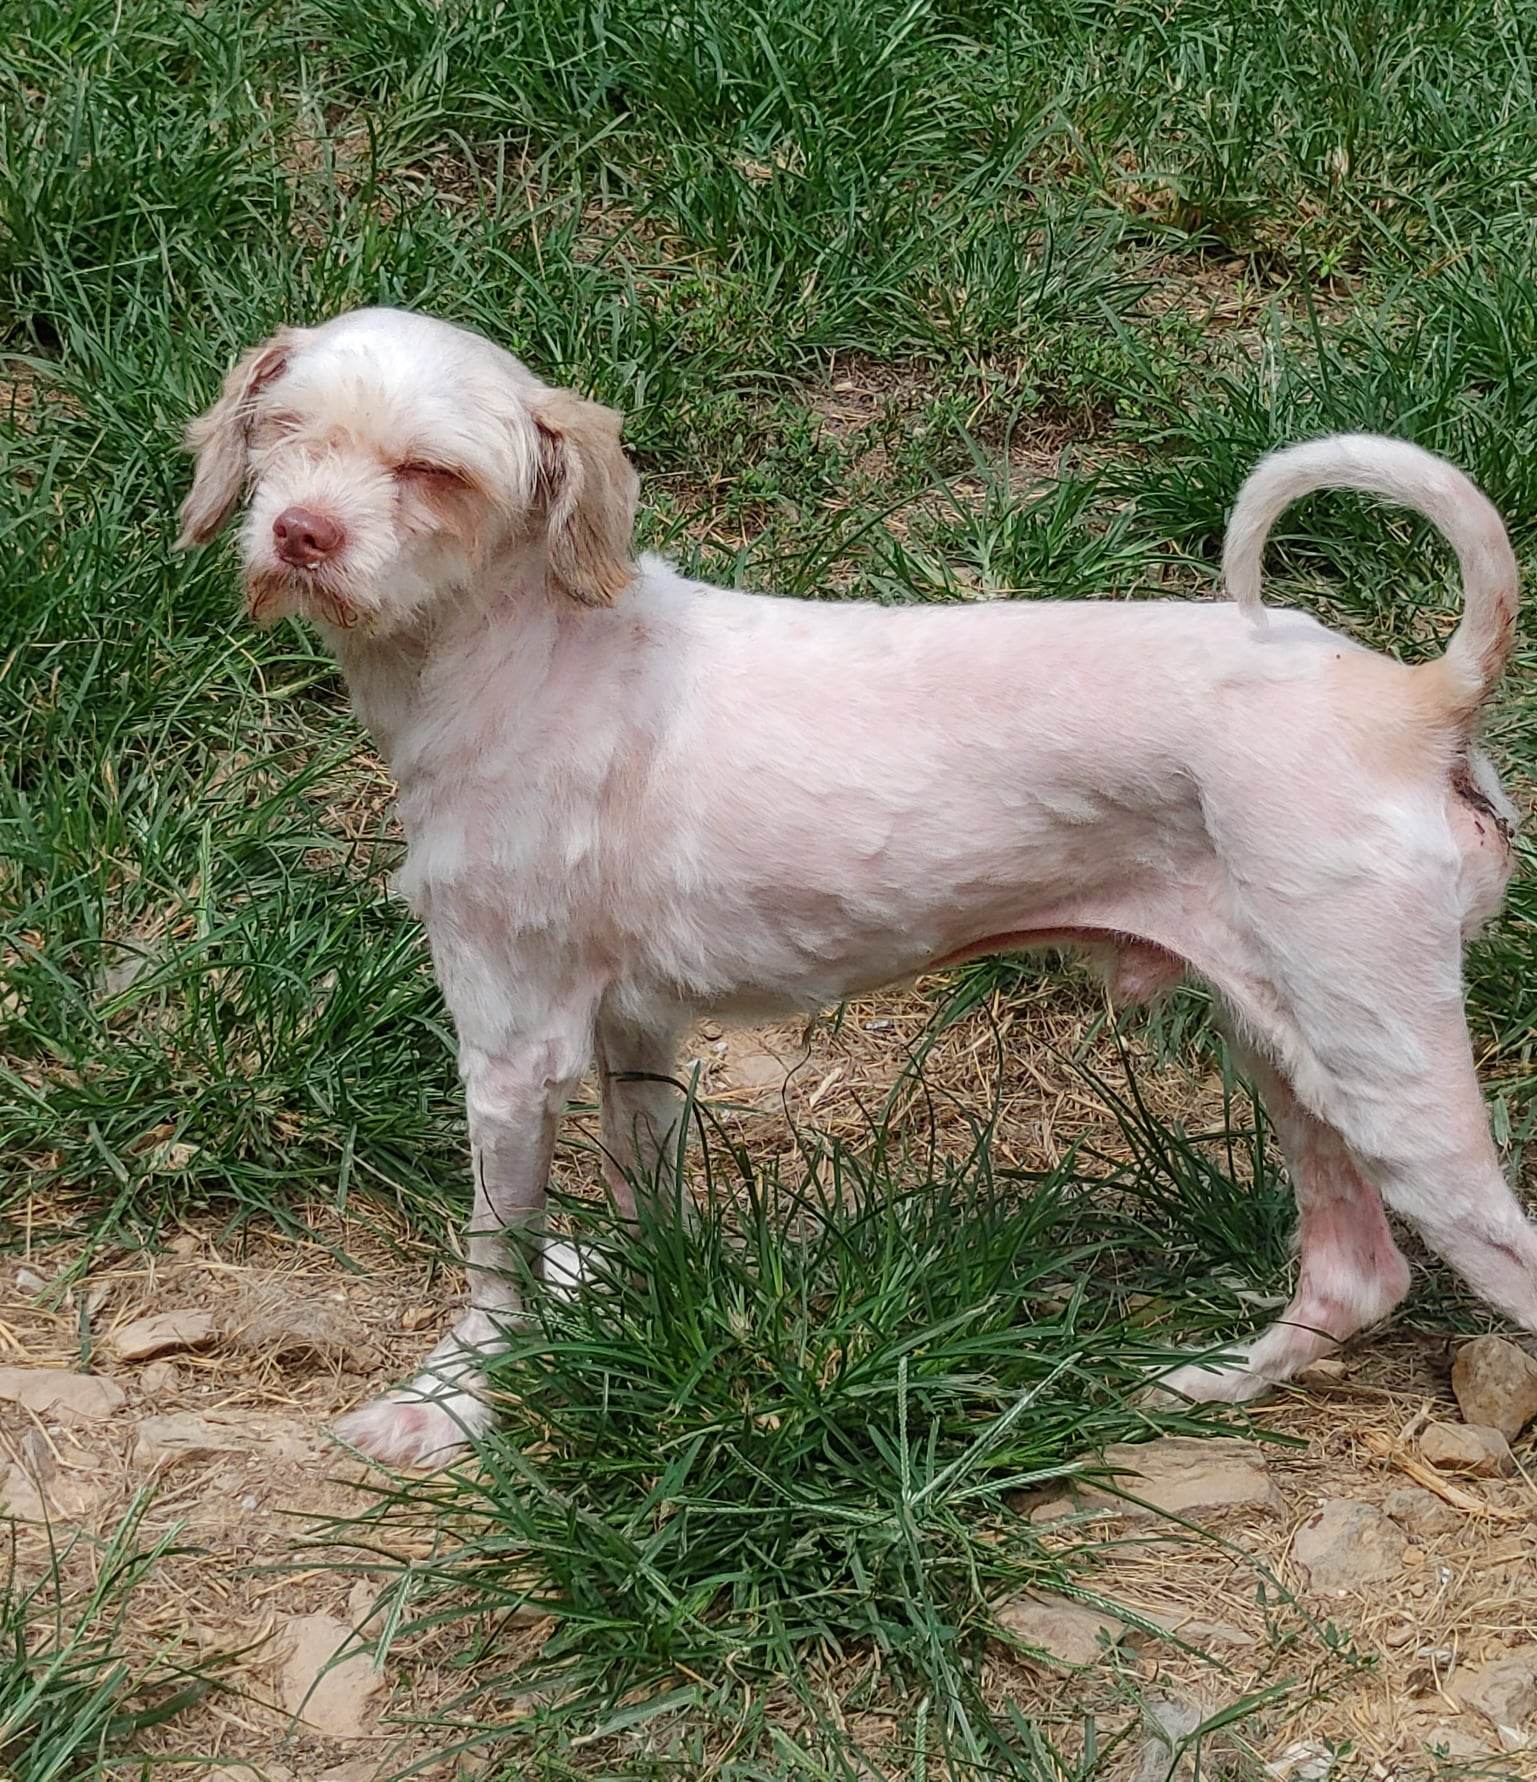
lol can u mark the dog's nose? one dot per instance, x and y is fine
(304, 539)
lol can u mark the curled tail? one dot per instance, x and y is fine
(1482, 643)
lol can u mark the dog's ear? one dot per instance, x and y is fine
(589, 489)
(219, 439)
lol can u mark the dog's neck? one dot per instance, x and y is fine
(501, 633)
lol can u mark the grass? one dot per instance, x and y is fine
(73, 1688)
(760, 1483)
(920, 298)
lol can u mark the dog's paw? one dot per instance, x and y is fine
(426, 1427)
(1221, 1383)
(565, 1269)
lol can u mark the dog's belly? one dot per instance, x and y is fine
(1137, 970)
(1137, 930)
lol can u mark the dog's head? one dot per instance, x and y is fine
(391, 459)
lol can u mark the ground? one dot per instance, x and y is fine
(223, 1427)
(940, 301)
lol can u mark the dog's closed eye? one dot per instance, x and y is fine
(419, 470)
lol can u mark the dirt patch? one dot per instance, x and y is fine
(226, 1434)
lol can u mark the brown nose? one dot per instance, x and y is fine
(304, 539)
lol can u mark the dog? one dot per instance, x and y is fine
(630, 798)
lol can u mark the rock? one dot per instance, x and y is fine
(1207, 1634)
(56, 1392)
(1420, 1511)
(1184, 1625)
(1171, 1723)
(1306, 1760)
(21, 1495)
(361, 1599)
(159, 1378)
(182, 1435)
(1054, 1509)
(1186, 1476)
(333, 1702)
(1346, 1545)
(1467, 1448)
(37, 1489)
(1504, 1691)
(760, 1070)
(162, 1331)
(1455, 1741)
(1320, 1376)
(1496, 1385)
(1072, 1633)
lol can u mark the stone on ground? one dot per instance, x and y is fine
(1504, 1691)
(1345, 1546)
(1069, 1632)
(36, 1488)
(1171, 1722)
(57, 1392)
(180, 1435)
(1188, 1625)
(160, 1333)
(1469, 1448)
(1187, 1476)
(159, 1378)
(1420, 1511)
(1307, 1760)
(1455, 1741)
(335, 1702)
(1496, 1385)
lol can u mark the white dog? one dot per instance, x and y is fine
(630, 798)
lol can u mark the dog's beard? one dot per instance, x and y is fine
(274, 594)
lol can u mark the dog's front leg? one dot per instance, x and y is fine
(513, 1095)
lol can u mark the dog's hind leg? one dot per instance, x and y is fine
(1383, 1055)
(1350, 1272)
(1363, 1014)
(1430, 1153)
(642, 1105)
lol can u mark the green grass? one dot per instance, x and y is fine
(1089, 258)
(759, 1476)
(77, 1686)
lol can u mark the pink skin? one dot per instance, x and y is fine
(1351, 1273)
(631, 799)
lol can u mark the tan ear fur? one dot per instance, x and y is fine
(590, 490)
(218, 438)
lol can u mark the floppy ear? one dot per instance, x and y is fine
(590, 488)
(218, 438)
